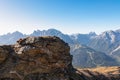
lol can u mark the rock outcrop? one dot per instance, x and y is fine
(40, 58)
(36, 58)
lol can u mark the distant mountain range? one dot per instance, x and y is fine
(84, 56)
(88, 50)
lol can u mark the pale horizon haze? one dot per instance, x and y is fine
(68, 16)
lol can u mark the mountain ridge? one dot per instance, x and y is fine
(106, 42)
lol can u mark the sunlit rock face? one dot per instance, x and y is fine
(36, 58)
(43, 55)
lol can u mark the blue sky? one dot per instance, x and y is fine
(68, 16)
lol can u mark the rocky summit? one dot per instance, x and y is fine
(41, 58)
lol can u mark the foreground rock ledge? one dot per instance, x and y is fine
(42, 58)
(36, 58)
